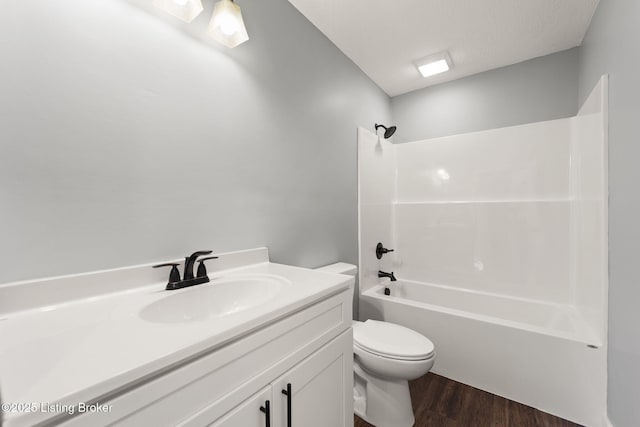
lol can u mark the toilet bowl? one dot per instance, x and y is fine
(386, 357)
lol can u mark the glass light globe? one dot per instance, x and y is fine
(226, 25)
(185, 10)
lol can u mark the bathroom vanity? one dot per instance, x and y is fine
(262, 344)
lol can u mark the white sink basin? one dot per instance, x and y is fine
(220, 297)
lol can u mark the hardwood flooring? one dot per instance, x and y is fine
(441, 402)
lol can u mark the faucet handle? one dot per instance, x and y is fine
(174, 275)
(381, 250)
(202, 270)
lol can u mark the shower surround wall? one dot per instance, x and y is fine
(500, 241)
(488, 211)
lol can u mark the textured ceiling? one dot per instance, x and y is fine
(384, 37)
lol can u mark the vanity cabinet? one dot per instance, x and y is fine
(321, 386)
(318, 394)
(310, 349)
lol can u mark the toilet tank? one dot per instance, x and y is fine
(340, 268)
(350, 270)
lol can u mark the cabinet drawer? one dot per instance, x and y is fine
(250, 362)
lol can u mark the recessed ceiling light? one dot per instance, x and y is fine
(434, 64)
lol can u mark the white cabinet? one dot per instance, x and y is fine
(321, 388)
(321, 394)
(311, 349)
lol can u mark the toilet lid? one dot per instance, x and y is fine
(391, 340)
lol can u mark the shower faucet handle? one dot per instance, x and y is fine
(381, 250)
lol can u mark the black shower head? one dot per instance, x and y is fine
(388, 131)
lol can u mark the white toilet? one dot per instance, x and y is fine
(386, 357)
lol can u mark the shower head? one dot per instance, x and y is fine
(388, 131)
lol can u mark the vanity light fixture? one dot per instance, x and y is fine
(185, 10)
(434, 64)
(226, 25)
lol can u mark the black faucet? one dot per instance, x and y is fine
(389, 275)
(190, 261)
(188, 279)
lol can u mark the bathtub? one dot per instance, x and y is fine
(540, 354)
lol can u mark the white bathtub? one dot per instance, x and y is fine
(533, 352)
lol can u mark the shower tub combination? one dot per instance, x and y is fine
(500, 242)
(544, 355)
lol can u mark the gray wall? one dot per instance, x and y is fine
(126, 138)
(540, 89)
(611, 46)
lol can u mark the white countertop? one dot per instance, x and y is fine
(82, 350)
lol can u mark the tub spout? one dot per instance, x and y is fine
(389, 275)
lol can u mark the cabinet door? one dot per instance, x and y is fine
(321, 388)
(249, 413)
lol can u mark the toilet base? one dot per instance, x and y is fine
(381, 402)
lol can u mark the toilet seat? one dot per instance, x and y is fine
(391, 341)
(393, 357)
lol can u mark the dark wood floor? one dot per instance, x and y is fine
(441, 402)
